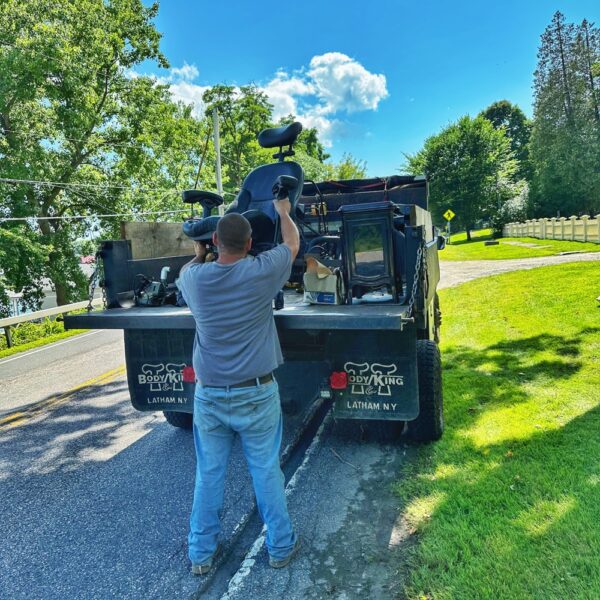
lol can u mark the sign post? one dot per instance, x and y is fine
(449, 215)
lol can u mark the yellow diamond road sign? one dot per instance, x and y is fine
(449, 215)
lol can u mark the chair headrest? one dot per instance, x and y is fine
(200, 230)
(280, 136)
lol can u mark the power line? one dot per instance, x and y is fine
(76, 217)
(83, 185)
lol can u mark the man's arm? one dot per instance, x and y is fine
(200, 252)
(289, 231)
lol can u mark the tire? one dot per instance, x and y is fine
(429, 425)
(179, 419)
(437, 319)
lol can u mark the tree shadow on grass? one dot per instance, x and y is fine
(495, 374)
(515, 516)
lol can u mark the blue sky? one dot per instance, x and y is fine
(377, 78)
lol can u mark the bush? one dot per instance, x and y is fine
(513, 210)
(23, 333)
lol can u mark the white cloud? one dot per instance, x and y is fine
(283, 91)
(186, 73)
(343, 84)
(334, 83)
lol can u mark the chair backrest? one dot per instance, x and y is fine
(369, 247)
(257, 192)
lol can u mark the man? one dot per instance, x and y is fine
(236, 349)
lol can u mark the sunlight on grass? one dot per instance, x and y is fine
(540, 518)
(506, 505)
(420, 511)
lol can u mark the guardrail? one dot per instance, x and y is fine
(8, 322)
(582, 229)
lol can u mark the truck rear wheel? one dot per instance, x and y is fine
(429, 425)
(179, 419)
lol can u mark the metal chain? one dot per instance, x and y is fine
(94, 281)
(415, 286)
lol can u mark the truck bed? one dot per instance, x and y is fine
(295, 315)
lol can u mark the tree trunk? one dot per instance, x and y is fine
(468, 230)
(590, 75)
(61, 293)
(566, 89)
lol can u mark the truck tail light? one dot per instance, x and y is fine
(338, 380)
(188, 374)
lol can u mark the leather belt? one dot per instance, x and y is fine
(256, 381)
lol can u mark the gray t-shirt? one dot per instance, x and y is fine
(236, 338)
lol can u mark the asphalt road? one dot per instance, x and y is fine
(49, 371)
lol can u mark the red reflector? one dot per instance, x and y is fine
(338, 380)
(188, 375)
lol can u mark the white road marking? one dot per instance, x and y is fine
(238, 579)
(71, 339)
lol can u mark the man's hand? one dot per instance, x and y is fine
(283, 207)
(200, 250)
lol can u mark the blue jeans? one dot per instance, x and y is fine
(255, 414)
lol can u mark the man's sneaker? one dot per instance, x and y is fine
(284, 562)
(205, 567)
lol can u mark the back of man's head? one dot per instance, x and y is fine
(233, 233)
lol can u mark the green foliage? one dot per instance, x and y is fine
(22, 265)
(565, 140)
(505, 505)
(31, 335)
(510, 118)
(470, 168)
(348, 168)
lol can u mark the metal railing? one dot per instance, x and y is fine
(9, 322)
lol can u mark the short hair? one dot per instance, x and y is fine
(233, 232)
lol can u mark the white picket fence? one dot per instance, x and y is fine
(577, 229)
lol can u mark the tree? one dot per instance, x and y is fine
(565, 139)
(510, 118)
(76, 118)
(348, 168)
(470, 169)
(243, 113)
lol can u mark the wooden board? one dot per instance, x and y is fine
(153, 240)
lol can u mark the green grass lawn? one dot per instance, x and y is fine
(507, 504)
(462, 249)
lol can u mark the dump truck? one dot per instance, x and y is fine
(358, 322)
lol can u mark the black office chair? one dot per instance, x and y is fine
(255, 199)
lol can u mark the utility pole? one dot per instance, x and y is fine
(215, 116)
